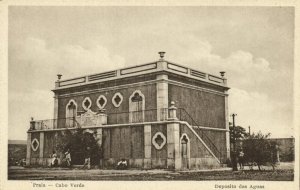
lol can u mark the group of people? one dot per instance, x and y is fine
(121, 165)
(54, 161)
(68, 160)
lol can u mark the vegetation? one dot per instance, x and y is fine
(16, 152)
(239, 133)
(77, 142)
(257, 147)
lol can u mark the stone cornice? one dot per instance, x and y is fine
(107, 126)
(125, 86)
(130, 124)
(196, 88)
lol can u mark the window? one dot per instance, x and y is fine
(185, 151)
(136, 97)
(101, 101)
(71, 109)
(184, 142)
(87, 103)
(117, 99)
(159, 140)
(71, 113)
(35, 144)
(136, 107)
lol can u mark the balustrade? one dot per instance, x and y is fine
(94, 119)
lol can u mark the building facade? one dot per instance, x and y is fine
(155, 115)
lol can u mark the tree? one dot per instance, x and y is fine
(259, 149)
(238, 131)
(77, 141)
(237, 134)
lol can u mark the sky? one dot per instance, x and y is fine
(254, 45)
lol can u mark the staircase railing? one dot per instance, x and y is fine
(183, 115)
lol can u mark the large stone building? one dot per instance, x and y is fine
(155, 115)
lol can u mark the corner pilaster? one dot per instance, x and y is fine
(173, 140)
(162, 96)
(227, 127)
(147, 146)
(41, 147)
(28, 150)
(174, 159)
(55, 108)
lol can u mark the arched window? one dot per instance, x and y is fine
(185, 151)
(71, 109)
(184, 142)
(136, 107)
(71, 113)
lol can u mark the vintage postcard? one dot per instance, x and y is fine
(147, 95)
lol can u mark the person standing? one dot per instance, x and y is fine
(68, 158)
(87, 159)
(241, 159)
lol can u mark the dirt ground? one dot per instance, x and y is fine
(283, 172)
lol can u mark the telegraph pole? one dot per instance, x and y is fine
(249, 130)
(234, 161)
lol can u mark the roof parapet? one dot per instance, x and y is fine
(160, 65)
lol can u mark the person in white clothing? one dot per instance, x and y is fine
(122, 164)
(54, 161)
(68, 157)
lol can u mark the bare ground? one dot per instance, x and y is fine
(284, 172)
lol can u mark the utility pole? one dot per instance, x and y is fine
(234, 161)
(249, 130)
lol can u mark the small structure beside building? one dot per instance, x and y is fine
(155, 115)
(286, 149)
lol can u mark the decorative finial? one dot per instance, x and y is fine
(161, 54)
(222, 73)
(172, 103)
(59, 76)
